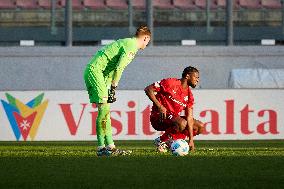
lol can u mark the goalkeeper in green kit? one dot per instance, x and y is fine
(102, 75)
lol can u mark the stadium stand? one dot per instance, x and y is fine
(185, 14)
(94, 4)
(7, 4)
(180, 12)
(271, 4)
(184, 4)
(116, 4)
(27, 4)
(141, 4)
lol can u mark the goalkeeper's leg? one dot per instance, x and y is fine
(108, 135)
(97, 91)
(101, 123)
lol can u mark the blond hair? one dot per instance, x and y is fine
(143, 30)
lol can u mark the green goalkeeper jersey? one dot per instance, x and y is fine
(119, 54)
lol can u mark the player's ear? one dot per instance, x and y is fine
(187, 76)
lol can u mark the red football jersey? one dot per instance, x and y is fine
(172, 96)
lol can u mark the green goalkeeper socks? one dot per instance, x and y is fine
(103, 126)
(108, 138)
(101, 123)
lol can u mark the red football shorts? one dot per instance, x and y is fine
(167, 125)
(161, 125)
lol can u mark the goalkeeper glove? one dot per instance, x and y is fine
(111, 94)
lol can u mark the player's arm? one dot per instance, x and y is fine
(190, 122)
(151, 93)
(122, 63)
(124, 60)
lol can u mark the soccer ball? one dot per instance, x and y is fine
(179, 147)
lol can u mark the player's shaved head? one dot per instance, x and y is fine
(191, 76)
(189, 70)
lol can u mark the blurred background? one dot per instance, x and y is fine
(173, 22)
(219, 35)
(45, 46)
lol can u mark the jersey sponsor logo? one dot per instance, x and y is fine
(186, 98)
(131, 55)
(176, 101)
(24, 118)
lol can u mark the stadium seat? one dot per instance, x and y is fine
(94, 4)
(117, 4)
(222, 4)
(202, 4)
(26, 4)
(7, 4)
(46, 4)
(271, 4)
(139, 4)
(250, 4)
(76, 4)
(184, 4)
(163, 4)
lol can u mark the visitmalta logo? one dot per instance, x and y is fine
(24, 118)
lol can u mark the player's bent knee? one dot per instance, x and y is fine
(182, 124)
(201, 128)
(103, 111)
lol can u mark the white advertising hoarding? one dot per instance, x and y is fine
(67, 115)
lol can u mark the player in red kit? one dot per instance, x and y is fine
(170, 97)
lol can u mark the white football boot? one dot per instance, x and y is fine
(161, 146)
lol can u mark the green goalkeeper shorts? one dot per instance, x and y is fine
(96, 83)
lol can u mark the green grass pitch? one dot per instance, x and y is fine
(214, 164)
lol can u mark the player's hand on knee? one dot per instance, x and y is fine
(111, 94)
